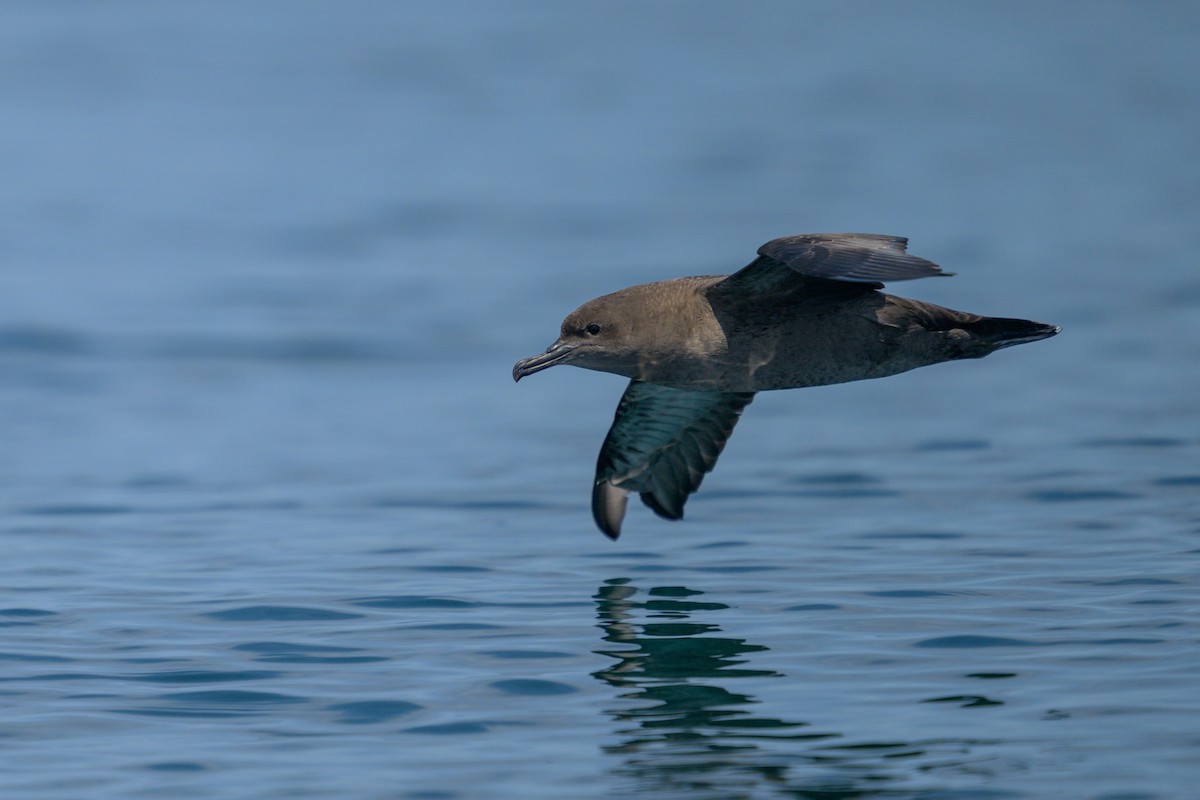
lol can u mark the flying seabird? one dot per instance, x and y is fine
(806, 312)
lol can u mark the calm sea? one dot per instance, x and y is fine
(275, 522)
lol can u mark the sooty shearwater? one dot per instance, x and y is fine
(806, 312)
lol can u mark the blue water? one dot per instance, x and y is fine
(276, 523)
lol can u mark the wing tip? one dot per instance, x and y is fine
(608, 508)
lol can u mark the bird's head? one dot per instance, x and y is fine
(597, 335)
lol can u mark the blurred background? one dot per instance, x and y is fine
(264, 270)
(211, 189)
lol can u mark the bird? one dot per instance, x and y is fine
(807, 311)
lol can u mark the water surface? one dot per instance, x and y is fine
(277, 524)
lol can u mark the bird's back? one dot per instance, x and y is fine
(822, 338)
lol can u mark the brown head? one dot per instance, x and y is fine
(600, 334)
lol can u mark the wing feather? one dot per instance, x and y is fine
(866, 259)
(661, 444)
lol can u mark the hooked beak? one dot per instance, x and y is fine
(556, 353)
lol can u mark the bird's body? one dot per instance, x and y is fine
(695, 336)
(807, 312)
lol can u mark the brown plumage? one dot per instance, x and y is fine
(806, 312)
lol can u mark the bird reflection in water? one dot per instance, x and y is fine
(681, 731)
(683, 735)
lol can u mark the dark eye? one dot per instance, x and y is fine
(592, 329)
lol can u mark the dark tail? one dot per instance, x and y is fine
(998, 332)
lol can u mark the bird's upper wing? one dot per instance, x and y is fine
(869, 259)
(661, 444)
